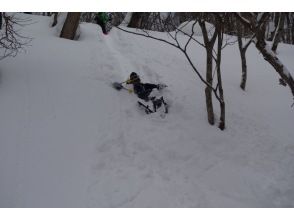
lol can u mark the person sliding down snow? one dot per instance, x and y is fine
(143, 91)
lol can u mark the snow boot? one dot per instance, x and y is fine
(159, 103)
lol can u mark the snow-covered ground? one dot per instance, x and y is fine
(68, 139)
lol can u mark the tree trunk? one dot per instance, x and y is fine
(136, 20)
(276, 21)
(278, 32)
(222, 123)
(54, 19)
(244, 69)
(70, 25)
(220, 31)
(208, 90)
(0, 20)
(292, 30)
(243, 62)
(145, 20)
(89, 17)
(288, 30)
(274, 60)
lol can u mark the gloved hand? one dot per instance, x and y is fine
(128, 81)
(161, 86)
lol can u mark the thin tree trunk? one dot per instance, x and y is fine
(288, 30)
(244, 70)
(54, 19)
(89, 17)
(279, 31)
(144, 21)
(222, 123)
(243, 62)
(276, 21)
(208, 90)
(136, 20)
(70, 25)
(0, 20)
(292, 30)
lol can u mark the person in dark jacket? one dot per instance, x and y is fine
(143, 90)
(101, 19)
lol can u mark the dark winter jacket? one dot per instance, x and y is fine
(143, 90)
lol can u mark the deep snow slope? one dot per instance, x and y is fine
(67, 139)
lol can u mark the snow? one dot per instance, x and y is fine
(68, 139)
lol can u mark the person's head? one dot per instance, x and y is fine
(134, 78)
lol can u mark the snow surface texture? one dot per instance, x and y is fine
(67, 139)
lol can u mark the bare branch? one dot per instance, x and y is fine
(149, 36)
(11, 42)
(176, 46)
(190, 36)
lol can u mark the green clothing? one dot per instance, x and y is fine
(102, 16)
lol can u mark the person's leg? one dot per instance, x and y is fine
(158, 102)
(103, 26)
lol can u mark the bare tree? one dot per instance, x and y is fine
(220, 33)
(243, 48)
(292, 28)
(118, 18)
(54, 19)
(136, 20)
(274, 20)
(139, 20)
(209, 43)
(287, 28)
(278, 32)
(11, 41)
(89, 16)
(0, 20)
(70, 25)
(257, 24)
